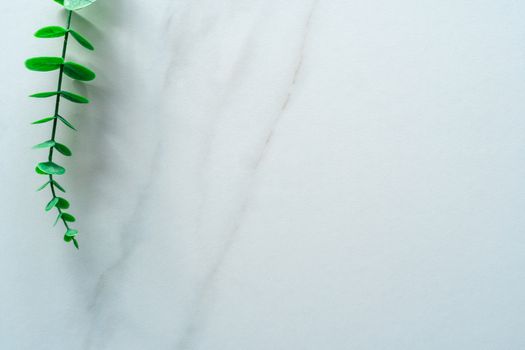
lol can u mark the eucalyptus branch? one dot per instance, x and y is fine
(74, 71)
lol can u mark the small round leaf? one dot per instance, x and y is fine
(44, 94)
(77, 4)
(73, 97)
(59, 216)
(52, 204)
(63, 149)
(68, 217)
(51, 168)
(44, 64)
(78, 72)
(81, 40)
(45, 144)
(43, 186)
(71, 233)
(62, 203)
(51, 32)
(40, 172)
(57, 185)
(66, 123)
(44, 120)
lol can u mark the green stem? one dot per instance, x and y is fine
(60, 78)
(57, 108)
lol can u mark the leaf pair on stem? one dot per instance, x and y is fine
(71, 69)
(57, 32)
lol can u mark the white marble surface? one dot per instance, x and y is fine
(269, 174)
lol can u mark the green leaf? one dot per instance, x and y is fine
(61, 2)
(68, 124)
(75, 242)
(40, 172)
(57, 185)
(66, 94)
(81, 40)
(43, 186)
(45, 120)
(44, 64)
(63, 149)
(73, 97)
(58, 218)
(51, 168)
(52, 204)
(45, 144)
(71, 232)
(68, 217)
(67, 238)
(78, 72)
(77, 4)
(51, 32)
(62, 203)
(45, 94)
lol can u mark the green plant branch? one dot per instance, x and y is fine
(74, 71)
(55, 121)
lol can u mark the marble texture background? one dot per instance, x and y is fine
(268, 174)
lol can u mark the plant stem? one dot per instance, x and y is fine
(57, 107)
(60, 78)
